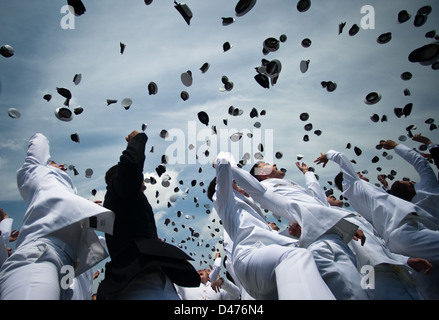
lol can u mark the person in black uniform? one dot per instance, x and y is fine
(142, 267)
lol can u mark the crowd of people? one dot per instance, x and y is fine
(386, 247)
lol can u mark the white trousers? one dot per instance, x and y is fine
(33, 271)
(337, 266)
(279, 272)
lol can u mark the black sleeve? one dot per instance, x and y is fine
(435, 154)
(130, 168)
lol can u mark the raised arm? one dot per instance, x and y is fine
(130, 168)
(224, 178)
(419, 163)
(346, 167)
(312, 183)
(38, 151)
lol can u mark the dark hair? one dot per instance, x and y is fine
(401, 190)
(338, 181)
(109, 175)
(253, 170)
(211, 189)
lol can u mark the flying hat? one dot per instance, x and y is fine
(304, 116)
(186, 78)
(205, 67)
(7, 51)
(126, 103)
(406, 76)
(341, 27)
(66, 94)
(425, 55)
(203, 117)
(422, 16)
(304, 64)
(78, 110)
(184, 10)
(303, 5)
(270, 45)
(88, 173)
(244, 6)
(354, 30)
(329, 85)
(403, 16)
(227, 20)
(111, 101)
(226, 46)
(14, 113)
(184, 95)
(78, 7)
(77, 78)
(375, 117)
(148, 2)
(306, 43)
(372, 98)
(384, 38)
(75, 137)
(164, 133)
(122, 47)
(152, 88)
(64, 114)
(263, 80)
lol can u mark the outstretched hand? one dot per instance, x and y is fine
(322, 159)
(419, 264)
(129, 137)
(302, 167)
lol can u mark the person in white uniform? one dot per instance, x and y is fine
(392, 277)
(405, 228)
(424, 193)
(267, 264)
(58, 230)
(324, 232)
(6, 235)
(209, 289)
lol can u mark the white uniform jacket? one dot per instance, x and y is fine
(384, 211)
(295, 203)
(53, 203)
(427, 189)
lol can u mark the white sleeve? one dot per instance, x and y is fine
(6, 228)
(38, 151)
(229, 290)
(313, 185)
(265, 195)
(349, 173)
(419, 163)
(224, 179)
(216, 269)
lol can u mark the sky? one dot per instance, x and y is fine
(51, 46)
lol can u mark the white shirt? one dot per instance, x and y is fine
(228, 291)
(241, 218)
(384, 211)
(53, 205)
(295, 203)
(427, 189)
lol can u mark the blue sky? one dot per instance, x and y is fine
(160, 46)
